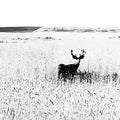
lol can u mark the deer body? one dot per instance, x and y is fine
(68, 71)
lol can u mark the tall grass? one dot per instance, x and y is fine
(30, 96)
(29, 91)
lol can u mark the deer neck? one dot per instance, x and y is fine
(77, 64)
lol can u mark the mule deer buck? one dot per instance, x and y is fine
(68, 71)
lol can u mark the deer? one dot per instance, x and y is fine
(69, 71)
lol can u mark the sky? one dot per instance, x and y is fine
(60, 13)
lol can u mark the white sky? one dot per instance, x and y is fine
(53, 13)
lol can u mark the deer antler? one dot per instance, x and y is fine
(83, 54)
(74, 56)
(80, 56)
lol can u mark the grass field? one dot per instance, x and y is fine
(28, 76)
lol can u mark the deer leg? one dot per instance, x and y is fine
(64, 79)
(90, 81)
(57, 81)
(60, 76)
(76, 74)
(71, 79)
(74, 79)
(80, 77)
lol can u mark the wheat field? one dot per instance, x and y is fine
(29, 88)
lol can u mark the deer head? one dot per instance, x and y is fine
(81, 56)
(68, 71)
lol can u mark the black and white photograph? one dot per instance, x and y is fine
(59, 60)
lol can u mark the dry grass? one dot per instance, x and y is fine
(29, 91)
(32, 98)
